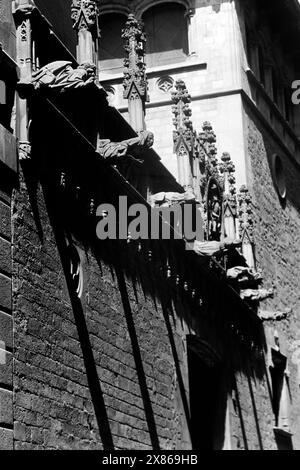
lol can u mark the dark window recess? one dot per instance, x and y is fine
(262, 76)
(6, 103)
(275, 87)
(111, 45)
(277, 377)
(167, 34)
(208, 402)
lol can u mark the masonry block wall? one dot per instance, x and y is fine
(109, 370)
(277, 228)
(6, 324)
(93, 373)
(7, 169)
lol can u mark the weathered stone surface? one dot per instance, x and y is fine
(5, 256)
(6, 439)
(5, 292)
(6, 416)
(5, 367)
(6, 329)
(8, 151)
(5, 224)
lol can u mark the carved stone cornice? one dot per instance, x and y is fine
(84, 14)
(135, 79)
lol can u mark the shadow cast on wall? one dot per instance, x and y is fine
(144, 265)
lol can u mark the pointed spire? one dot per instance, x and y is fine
(84, 14)
(184, 135)
(208, 141)
(135, 78)
(182, 112)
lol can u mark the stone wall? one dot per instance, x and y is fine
(277, 228)
(93, 373)
(6, 323)
(7, 166)
(7, 30)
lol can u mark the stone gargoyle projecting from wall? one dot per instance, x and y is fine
(59, 75)
(127, 150)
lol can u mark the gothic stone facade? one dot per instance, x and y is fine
(128, 346)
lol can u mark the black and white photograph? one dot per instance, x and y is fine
(149, 229)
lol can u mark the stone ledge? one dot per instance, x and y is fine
(189, 66)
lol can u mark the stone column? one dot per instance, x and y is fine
(84, 14)
(192, 32)
(22, 10)
(135, 79)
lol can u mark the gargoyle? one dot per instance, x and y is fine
(211, 248)
(257, 294)
(130, 149)
(169, 199)
(273, 316)
(59, 75)
(243, 275)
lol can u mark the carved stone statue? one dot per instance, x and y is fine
(243, 274)
(59, 75)
(212, 248)
(169, 199)
(127, 149)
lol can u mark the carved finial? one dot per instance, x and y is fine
(184, 135)
(227, 170)
(182, 113)
(208, 140)
(135, 68)
(246, 225)
(22, 7)
(84, 14)
(227, 179)
(245, 215)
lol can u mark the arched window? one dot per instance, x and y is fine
(111, 47)
(166, 27)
